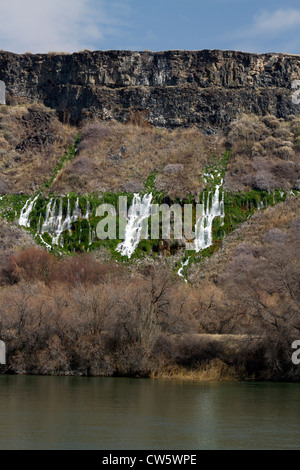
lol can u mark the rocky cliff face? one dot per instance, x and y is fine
(170, 89)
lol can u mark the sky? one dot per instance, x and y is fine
(157, 25)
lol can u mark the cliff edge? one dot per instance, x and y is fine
(208, 88)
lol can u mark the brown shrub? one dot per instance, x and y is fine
(285, 152)
(41, 141)
(4, 187)
(82, 269)
(31, 264)
(92, 134)
(248, 128)
(128, 154)
(267, 137)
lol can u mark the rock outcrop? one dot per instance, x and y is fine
(207, 88)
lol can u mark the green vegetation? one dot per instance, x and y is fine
(68, 157)
(11, 205)
(239, 206)
(149, 187)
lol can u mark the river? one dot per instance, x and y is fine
(118, 413)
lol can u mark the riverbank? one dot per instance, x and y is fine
(185, 357)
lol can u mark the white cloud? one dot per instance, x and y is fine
(276, 22)
(56, 25)
(273, 23)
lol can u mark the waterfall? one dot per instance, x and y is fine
(48, 247)
(180, 270)
(87, 213)
(76, 211)
(138, 213)
(46, 220)
(26, 211)
(55, 221)
(203, 228)
(80, 233)
(54, 224)
(58, 225)
(90, 235)
(68, 220)
(50, 221)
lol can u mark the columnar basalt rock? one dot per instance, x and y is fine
(175, 88)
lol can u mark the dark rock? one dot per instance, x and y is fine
(114, 158)
(173, 168)
(133, 186)
(38, 129)
(297, 185)
(208, 88)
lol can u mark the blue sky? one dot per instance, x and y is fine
(72, 25)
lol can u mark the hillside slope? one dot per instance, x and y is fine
(212, 129)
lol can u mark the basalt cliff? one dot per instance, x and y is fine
(208, 88)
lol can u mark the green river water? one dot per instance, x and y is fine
(119, 413)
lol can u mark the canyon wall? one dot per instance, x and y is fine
(206, 88)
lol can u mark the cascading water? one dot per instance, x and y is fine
(46, 220)
(76, 212)
(203, 228)
(68, 220)
(213, 206)
(87, 213)
(138, 212)
(54, 222)
(180, 270)
(58, 225)
(26, 211)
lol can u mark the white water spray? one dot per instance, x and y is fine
(139, 211)
(26, 211)
(180, 270)
(58, 225)
(203, 228)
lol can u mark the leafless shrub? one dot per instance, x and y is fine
(297, 185)
(83, 270)
(275, 236)
(4, 187)
(288, 171)
(82, 165)
(173, 168)
(258, 149)
(271, 121)
(92, 134)
(270, 144)
(283, 133)
(262, 181)
(276, 142)
(285, 152)
(33, 263)
(248, 128)
(243, 147)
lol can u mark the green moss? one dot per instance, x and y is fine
(67, 157)
(149, 187)
(238, 208)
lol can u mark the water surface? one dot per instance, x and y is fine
(116, 414)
